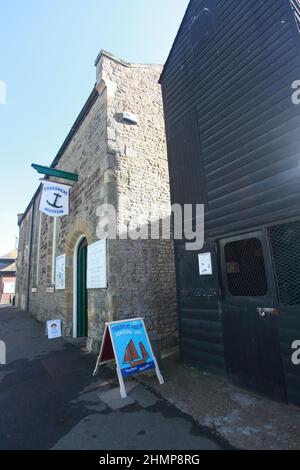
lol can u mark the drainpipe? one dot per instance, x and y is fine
(30, 254)
(53, 250)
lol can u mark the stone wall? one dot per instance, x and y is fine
(85, 155)
(124, 165)
(22, 261)
(142, 277)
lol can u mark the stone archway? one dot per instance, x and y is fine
(81, 230)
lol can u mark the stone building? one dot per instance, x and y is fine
(7, 276)
(121, 160)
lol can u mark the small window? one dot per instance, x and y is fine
(296, 9)
(245, 268)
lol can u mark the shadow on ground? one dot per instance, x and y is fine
(49, 399)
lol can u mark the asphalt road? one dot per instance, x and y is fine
(49, 400)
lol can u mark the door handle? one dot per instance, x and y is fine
(263, 311)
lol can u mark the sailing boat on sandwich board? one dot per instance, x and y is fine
(132, 356)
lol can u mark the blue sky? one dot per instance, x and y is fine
(47, 54)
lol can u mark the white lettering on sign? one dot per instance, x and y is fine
(96, 265)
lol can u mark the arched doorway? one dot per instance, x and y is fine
(81, 290)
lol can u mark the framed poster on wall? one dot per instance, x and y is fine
(205, 264)
(96, 265)
(60, 272)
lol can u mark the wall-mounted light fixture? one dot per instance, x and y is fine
(130, 118)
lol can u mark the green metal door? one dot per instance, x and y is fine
(81, 289)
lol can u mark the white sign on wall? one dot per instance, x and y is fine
(54, 329)
(96, 265)
(205, 265)
(9, 287)
(60, 272)
(54, 199)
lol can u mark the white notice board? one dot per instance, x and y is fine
(96, 265)
(60, 272)
(205, 264)
(9, 287)
(54, 329)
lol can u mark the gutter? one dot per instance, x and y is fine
(29, 256)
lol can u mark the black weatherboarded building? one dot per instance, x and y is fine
(234, 144)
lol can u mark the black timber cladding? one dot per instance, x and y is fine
(284, 240)
(238, 84)
(200, 325)
(233, 138)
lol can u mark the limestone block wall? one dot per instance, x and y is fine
(85, 155)
(22, 262)
(142, 276)
(124, 165)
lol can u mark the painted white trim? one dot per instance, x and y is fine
(75, 254)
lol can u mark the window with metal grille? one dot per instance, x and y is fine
(285, 244)
(296, 9)
(245, 266)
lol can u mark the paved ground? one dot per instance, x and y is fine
(49, 400)
(245, 420)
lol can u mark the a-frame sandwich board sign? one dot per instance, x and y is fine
(127, 343)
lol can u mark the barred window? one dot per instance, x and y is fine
(286, 256)
(296, 9)
(245, 266)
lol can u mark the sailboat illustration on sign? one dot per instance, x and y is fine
(132, 356)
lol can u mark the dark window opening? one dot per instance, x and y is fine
(296, 9)
(245, 268)
(285, 243)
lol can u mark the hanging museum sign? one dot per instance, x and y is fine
(127, 343)
(54, 199)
